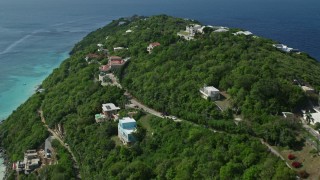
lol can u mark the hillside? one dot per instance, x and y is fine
(257, 78)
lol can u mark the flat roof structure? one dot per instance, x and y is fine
(109, 107)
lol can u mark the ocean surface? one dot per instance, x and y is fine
(36, 35)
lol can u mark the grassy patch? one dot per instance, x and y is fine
(117, 140)
(310, 161)
(145, 123)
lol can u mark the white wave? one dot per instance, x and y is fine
(14, 44)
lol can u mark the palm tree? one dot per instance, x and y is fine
(309, 117)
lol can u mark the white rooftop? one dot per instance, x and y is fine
(287, 114)
(316, 117)
(247, 33)
(211, 88)
(109, 107)
(306, 88)
(127, 120)
(221, 30)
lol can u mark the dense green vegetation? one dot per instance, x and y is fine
(23, 129)
(172, 150)
(256, 76)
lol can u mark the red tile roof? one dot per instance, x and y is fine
(117, 62)
(154, 44)
(105, 68)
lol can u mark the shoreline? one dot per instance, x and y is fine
(29, 86)
(26, 86)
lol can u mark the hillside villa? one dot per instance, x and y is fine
(109, 111)
(284, 48)
(210, 92)
(113, 63)
(190, 31)
(126, 127)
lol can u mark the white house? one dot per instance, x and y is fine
(129, 31)
(126, 127)
(210, 92)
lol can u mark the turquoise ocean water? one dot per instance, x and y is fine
(36, 35)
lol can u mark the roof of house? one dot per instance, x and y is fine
(183, 33)
(316, 117)
(306, 88)
(287, 114)
(118, 48)
(104, 68)
(117, 62)
(221, 30)
(243, 32)
(115, 58)
(109, 107)
(99, 116)
(211, 88)
(154, 44)
(128, 123)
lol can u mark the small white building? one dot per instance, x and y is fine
(246, 33)
(109, 110)
(210, 92)
(129, 31)
(126, 127)
(285, 48)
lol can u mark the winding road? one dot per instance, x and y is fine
(75, 162)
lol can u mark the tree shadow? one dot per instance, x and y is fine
(298, 145)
